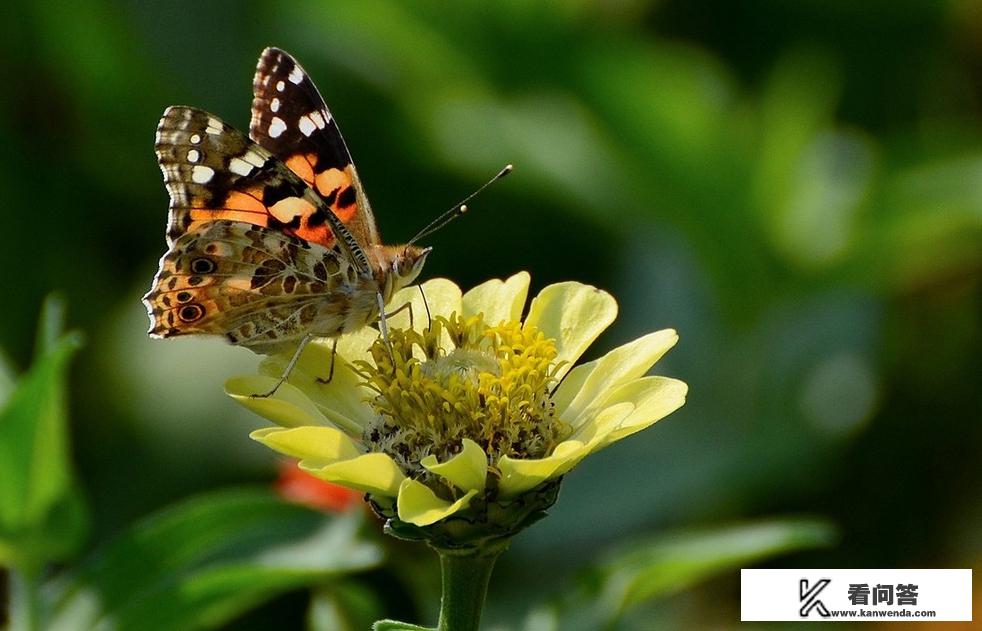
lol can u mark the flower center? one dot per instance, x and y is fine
(461, 378)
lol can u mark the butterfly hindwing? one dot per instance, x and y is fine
(260, 288)
(291, 120)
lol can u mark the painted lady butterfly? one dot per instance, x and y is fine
(271, 239)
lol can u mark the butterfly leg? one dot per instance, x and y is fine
(289, 368)
(334, 354)
(384, 326)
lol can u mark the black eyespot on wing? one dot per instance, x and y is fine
(203, 266)
(191, 313)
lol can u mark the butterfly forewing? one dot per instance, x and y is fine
(212, 171)
(290, 119)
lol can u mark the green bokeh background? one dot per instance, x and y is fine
(794, 185)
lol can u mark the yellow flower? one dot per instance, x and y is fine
(471, 414)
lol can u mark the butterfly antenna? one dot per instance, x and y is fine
(458, 209)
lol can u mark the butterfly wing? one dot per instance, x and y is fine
(212, 171)
(260, 288)
(290, 119)
(252, 248)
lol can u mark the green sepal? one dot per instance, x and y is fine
(484, 525)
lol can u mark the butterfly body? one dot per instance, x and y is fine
(270, 239)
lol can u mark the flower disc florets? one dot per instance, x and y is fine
(457, 379)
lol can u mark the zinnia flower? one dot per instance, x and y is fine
(460, 431)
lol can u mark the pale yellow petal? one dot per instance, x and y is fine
(468, 470)
(443, 297)
(498, 300)
(419, 505)
(342, 400)
(374, 473)
(521, 475)
(322, 444)
(577, 398)
(288, 406)
(574, 315)
(355, 345)
(654, 398)
(570, 386)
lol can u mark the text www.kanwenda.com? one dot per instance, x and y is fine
(882, 613)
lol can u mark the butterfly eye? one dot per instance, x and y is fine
(190, 313)
(202, 266)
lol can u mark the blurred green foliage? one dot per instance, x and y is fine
(206, 561)
(793, 185)
(42, 513)
(639, 571)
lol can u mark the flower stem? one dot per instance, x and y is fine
(465, 580)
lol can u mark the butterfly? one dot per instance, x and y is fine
(271, 238)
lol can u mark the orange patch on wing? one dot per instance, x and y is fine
(286, 210)
(244, 201)
(302, 165)
(320, 234)
(330, 180)
(335, 181)
(215, 214)
(241, 206)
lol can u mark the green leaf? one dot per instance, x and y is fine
(395, 625)
(8, 378)
(343, 606)
(205, 561)
(51, 324)
(667, 564)
(42, 515)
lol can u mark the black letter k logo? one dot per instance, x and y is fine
(809, 597)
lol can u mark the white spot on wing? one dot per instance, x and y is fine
(274, 105)
(193, 155)
(280, 86)
(296, 75)
(214, 126)
(318, 119)
(239, 167)
(306, 125)
(202, 174)
(195, 139)
(254, 158)
(276, 126)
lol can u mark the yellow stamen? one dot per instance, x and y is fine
(490, 384)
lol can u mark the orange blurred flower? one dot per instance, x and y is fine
(299, 486)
